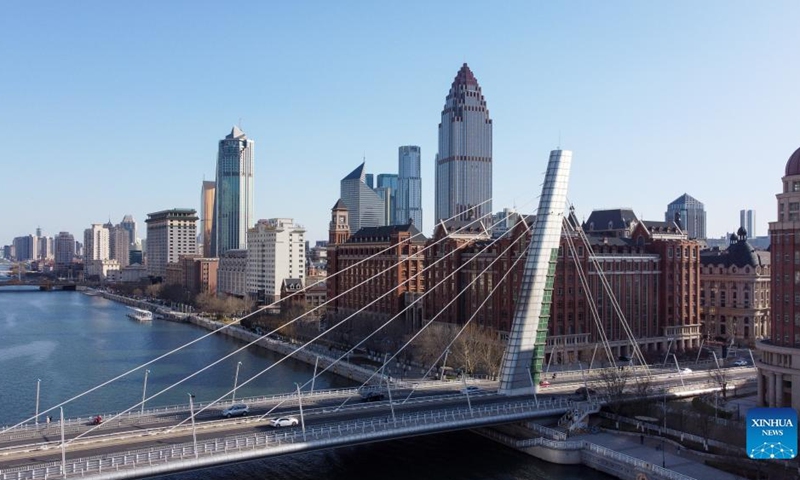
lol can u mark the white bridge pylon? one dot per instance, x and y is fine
(522, 362)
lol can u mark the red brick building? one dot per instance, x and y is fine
(779, 368)
(652, 267)
(396, 260)
(196, 274)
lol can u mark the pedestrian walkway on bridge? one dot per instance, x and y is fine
(649, 450)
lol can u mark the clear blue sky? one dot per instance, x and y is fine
(108, 108)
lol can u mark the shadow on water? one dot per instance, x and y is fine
(451, 456)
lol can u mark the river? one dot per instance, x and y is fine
(68, 342)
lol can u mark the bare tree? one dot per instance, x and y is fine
(430, 345)
(614, 381)
(720, 377)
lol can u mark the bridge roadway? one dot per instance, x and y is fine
(150, 445)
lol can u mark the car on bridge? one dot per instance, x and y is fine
(284, 422)
(544, 383)
(584, 392)
(741, 363)
(236, 410)
(471, 389)
(373, 397)
(686, 370)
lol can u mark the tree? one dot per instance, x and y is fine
(430, 345)
(720, 377)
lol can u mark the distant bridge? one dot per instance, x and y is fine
(42, 284)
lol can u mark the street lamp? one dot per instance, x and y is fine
(444, 364)
(389, 387)
(236, 381)
(466, 391)
(314, 377)
(300, 402)
(63, 446)
(678, 366)
(194, 431)
(664, 432)
(144, 390)
(38, 385)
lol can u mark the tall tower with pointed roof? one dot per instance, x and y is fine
(366, 207)
(464, 161)
(233, 200)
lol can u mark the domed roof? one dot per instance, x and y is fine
(793, 165)
(742, 232)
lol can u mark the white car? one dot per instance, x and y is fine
(686, 370)
(284, 422)
(741, 363)
(471, 389)
(236, 410)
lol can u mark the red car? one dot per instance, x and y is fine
(544, 383)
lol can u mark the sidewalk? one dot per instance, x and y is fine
(684, 463)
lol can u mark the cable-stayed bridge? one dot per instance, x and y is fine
(135, 442)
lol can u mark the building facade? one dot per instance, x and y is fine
(129, 224)
(366, 207)
(779, 368)
(64, 250)
(233, 197)
(275, 251)
(464, 161)
(651, 267)
(747, 220)
(119, 243)
(26, 248)
(96, 248)
(735, 292)
(170, 234)
(691, 215)
(207, 215)
(194, 273)
(408, 207)
(232, 273)
(391, 254)
(387, 189)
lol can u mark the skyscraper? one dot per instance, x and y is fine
(409, 187)
(387, 189)
(747, 220)
(692, 215)
(366, 207)
(464, 161)
(207, 215)
(233, 201)
(170, 235)
(64, 250)
(96, 244)
(119, 244)
(129, 224)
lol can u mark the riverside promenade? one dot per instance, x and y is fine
(685, 463)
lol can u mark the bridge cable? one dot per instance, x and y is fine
(637, 353)
(302, 347)
(272, 332)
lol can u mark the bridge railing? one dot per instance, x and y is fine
(294, 439)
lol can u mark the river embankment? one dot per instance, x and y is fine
(310, 354)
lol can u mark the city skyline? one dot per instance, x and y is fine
(638, 89)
